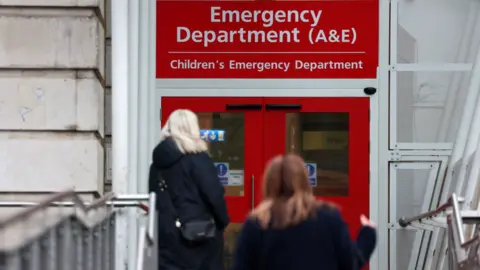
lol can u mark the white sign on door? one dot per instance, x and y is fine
(236, 178)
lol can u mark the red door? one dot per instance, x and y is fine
(332, 136)
(240, 149)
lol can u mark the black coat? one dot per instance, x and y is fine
(196, 194)
(321, 242)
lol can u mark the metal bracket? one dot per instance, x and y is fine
(414, 226)
(423, 155)
(422, 226)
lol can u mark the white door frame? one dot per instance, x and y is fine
(291, 88)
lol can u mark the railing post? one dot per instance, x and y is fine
(77, 241)
(32, 256)
(105, 236)
(11, 261)
(111, 245)
(451, 245)
(97, 247)
(48, 249)
(65, 245)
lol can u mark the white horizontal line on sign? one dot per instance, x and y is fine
(192, 52)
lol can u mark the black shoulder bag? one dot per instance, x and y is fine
(194, 231)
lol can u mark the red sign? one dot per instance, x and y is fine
(244, 39)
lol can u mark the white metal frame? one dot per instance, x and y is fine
(152, 65)
(133, 90)
(470, 147)
(209, 88)
(467, 141)
(473, 176)
(380, 257)
(120, 109)
(418, 252)
(432, 67)
(257, 92)
(463, 49)
(394, 143)
(443, 150)
(264, 84)
(395, 67)
(425, 156)
(133, 114)
(419, 155)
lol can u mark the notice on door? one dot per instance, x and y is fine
(312, 173)
(223, 172)
(236, 178)
(210, 135)
(228, 177)
(259, 39)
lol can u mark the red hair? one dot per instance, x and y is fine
(287, 194)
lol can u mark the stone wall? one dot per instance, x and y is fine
(52, 95)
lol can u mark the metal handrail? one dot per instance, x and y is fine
(452, 202)
(35, 207)
(58, 200)
(146, 234)
(117, 200)
(141, 248)
(91, 218)
(406, 221)
(151, 218)
(100, 202)
(110, 202)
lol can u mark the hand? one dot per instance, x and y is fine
(367, 222)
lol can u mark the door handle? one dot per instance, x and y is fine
(283, 106)
(253, 192)
(246, 107)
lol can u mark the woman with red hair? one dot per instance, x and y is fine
(291, 230)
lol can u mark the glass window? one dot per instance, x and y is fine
(226, 147)
(322, 140)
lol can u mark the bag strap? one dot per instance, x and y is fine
(164, 188)
(162, 185)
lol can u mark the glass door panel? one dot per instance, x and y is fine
(332, 136)
(322, 140)
(226, 150)
(230, 126)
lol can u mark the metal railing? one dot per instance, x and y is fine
(463, 254)
(146, 239)
(64, 232)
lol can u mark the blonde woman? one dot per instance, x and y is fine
(191, 208)
(291, 230)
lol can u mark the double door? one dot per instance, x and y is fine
(331, 134)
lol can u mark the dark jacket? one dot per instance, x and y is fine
(321, 242)
(194, 192)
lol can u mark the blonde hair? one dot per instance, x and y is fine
(182, 126)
